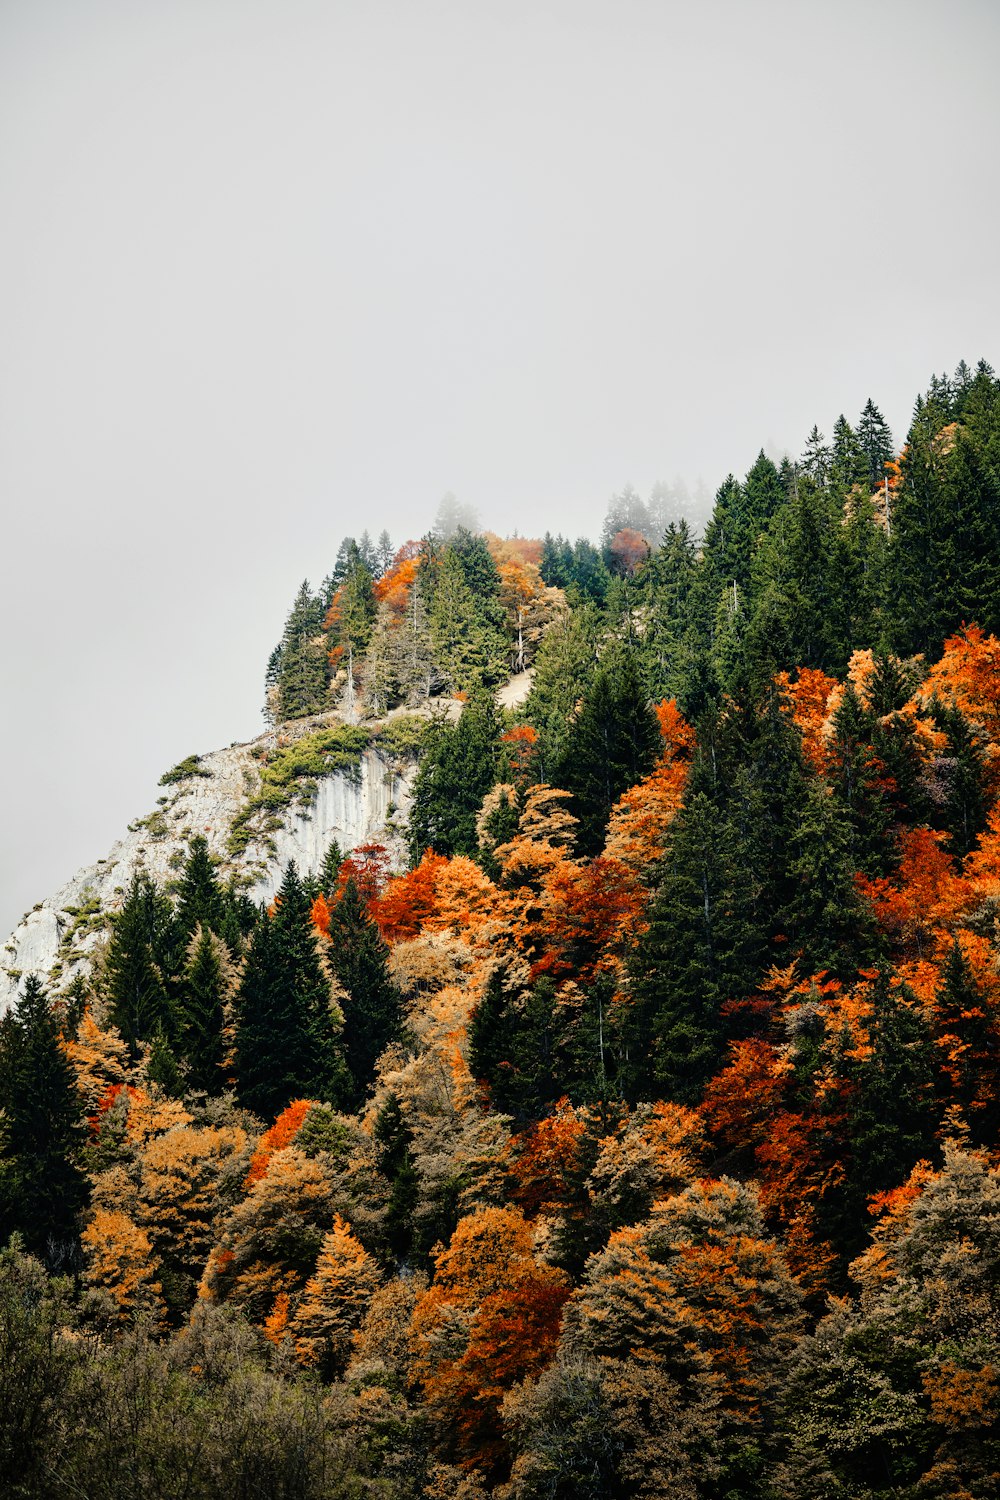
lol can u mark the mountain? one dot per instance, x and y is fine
(365, 799)
(561, 1057)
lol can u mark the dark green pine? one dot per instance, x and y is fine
(613, 745)
(373, 1010)
(203, 996)
(286, 1046)
(200, 898)
(43, 1188)
(137, 965)
(456, 771)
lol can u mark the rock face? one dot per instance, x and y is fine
(56, 941)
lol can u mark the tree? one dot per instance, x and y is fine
(286, 1043)
(302, 667)
(613, 744)
(207, 986)
(468, 650)
(457, 769)
(42, 1185)
(875, 442)
(136, 967)
(334, 1302)
(200, 899)
(372, 1004)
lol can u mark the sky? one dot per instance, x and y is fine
(275, 270)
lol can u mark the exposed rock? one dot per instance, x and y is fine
(57, 939)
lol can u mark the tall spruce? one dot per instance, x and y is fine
(373, 1008)
(43, 1187)
(136, 969)
(457, 769)
(613, 744)
(287, 1044)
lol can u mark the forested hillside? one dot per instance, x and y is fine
(640, 1139)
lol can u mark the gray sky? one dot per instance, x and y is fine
(271, 270)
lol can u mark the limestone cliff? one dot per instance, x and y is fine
(216, 795)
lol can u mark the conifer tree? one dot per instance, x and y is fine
(891, 1111)
(394, 1141)
(699, 950)
(302, 670)
(136, 968)
(467, 651)
(206, 989)
(42, 1185)
(373, 1005)
(875, 442)
(286, 1044)
(613, 744)
(457, 769)
(200, 899)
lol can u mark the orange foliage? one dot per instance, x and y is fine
(918, 907)
(491, 1319)
(629, 548)
(367, 866)
(276, 1325)
(393, 588)
(589, 913)
(281, 1134)
(408, 900)
(521, 746)
(809, 696)
(968, 675)
(545, 1158)
(641, 819)
(320, 915)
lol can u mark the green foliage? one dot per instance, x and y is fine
(183, 771)
(286, 1036)
(289, 774)
(42, 1185)
(457, 769)
(373, 1005)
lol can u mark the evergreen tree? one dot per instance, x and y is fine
(200, 899)
(967, 1038)
(373, 1009)
(286, 1044)
(875, 442)
(891, 1112)
(206, 989)
(457, 769)
(697, 952)
(563, 668)
(137, 965)
(162, 1067)
(817, 458)
(614, 743)
(43, 1188)
(849, 464)
(302, 669)
(468, 653)
(329, 872)
(394, 1142)
(945, 543)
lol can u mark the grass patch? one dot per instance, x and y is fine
(289, 775)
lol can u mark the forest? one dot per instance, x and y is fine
(640, 1138)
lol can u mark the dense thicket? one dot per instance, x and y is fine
(531, 1170)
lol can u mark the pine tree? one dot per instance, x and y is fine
(136, 967)
(43, 1188)
(286, 1044)
(563, 668)
(891, 1111)
(373, 1008)
(817, 458)
(302, 671)
(849, 464)
(468, 650)
(875, 442)
(394, 1142)
(457, 769)
(696, 953)
(206, 990)
(200, 899)
(614, 744)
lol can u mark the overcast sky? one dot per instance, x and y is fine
(272, 270)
